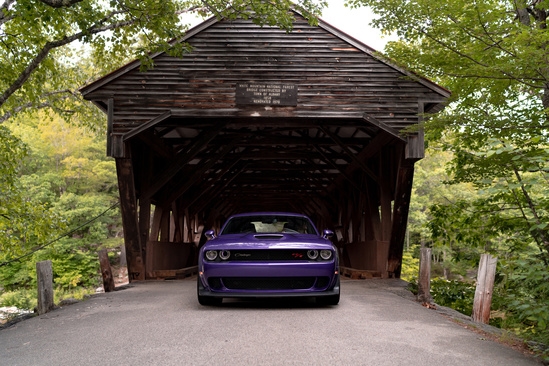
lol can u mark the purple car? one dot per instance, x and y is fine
(268, 254)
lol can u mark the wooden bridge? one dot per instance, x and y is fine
(254, 118)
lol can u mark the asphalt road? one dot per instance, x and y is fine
(161, 323)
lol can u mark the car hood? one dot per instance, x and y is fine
(268, 241)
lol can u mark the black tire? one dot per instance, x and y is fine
(206, 300)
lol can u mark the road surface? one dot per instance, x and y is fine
(161, 323)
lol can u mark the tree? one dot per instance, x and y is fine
(25, 220)
(61, 206)
(493, 56)
(40, 41)
(50, 48)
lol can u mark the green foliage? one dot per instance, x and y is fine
(17, 275)
(26, 299)
(496, 123)
(12, 150)
(493, 56)
(410, 265)
(269, 13)
(63, 184)
(78, 293)
(55, 180)
(525, 293)
(40, 64)
(22, 299)
(75, 269)
(26, 219)
(519, 300)
(455, 294)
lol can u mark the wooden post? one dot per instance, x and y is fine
(123, 262)
(424, 283)
(485, 286)
(106, 272)
(128, 207)
(44, 276)
(401, 207)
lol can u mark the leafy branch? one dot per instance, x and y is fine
(99, 27)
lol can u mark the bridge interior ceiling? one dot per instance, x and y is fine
(250, 164)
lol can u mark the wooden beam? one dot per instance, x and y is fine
(424, 281)
(144, 224)
(212, 192)
(343, 173)
(44, 282)
(259, 140)
(382, 126)
(157, 145)
(144, 179)
(145, 126)
(110, 123)
(157, 221)
(165, 224)
(182, 159)
(385, 188)
(352, 155)
(190, 181)
(128, 208)
(106, 272)
(401, 208)
(415, 143)
(118, 147)
(374, 221)
(374, 147)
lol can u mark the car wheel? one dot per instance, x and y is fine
(206, 300)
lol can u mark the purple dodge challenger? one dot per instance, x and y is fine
(268, 254)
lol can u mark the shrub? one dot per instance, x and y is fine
(454, 294)
(21, 299)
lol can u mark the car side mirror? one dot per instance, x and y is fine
(210, 234)
(327, 234)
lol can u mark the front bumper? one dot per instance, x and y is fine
(207, 292)
(239, 280)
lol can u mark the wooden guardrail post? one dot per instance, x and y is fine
(424, 282)
(44, 277)
(106, 272)
(484, 289)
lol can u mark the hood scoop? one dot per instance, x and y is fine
(269, 236)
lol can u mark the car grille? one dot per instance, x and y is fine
(268, 283)
(269, 255)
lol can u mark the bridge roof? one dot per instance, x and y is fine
(258, 118)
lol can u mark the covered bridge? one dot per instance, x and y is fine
(257, 119)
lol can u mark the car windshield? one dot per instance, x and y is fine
(269, 224)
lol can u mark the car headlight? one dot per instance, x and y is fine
(224, 254)
(211, 255)
(312, 254)
(325, 254)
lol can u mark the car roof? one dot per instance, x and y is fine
(275, 213)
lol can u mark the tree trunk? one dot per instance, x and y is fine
(485, 285)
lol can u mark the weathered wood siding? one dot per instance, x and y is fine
(335, 79)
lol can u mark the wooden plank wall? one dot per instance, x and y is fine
(334, 78)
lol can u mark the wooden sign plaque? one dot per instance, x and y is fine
(252, 93)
